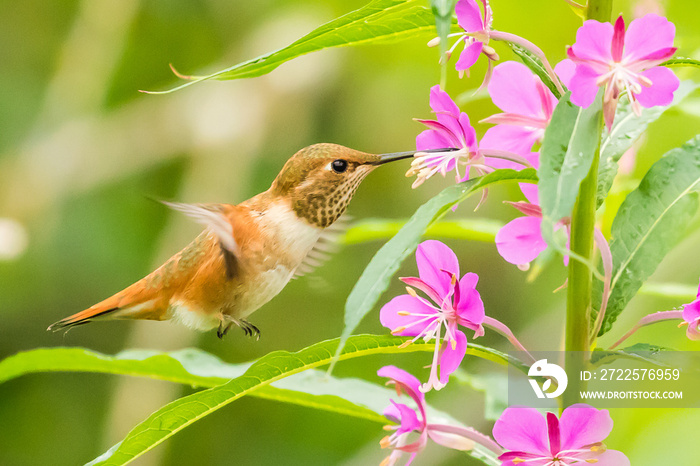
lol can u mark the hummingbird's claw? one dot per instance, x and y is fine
(222, 331)
(250, 329)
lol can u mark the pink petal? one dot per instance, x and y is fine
(693, 331)
(390, 318)
(582, 425)
(691, 312)
(618, 39)
(403, 379)
(441, 102)
(593, 41)
(434, 259)
(422, 286)
(450, 359)
(432, 139)
(664, 84)
(530, 192)
(447, 114)
(469, 56)
(520, 241)
(469, 15)
(470, 306)
(468, 132)
(612, 458)
(405, 415)
(513, 88)
(541, 462)
(522, 429)
(516, 139)
(647, 35)
(583, 86)
(565, 70)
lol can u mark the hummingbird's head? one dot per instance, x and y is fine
(321, 179)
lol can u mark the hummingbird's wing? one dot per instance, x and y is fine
(214, 216)
(328, 243)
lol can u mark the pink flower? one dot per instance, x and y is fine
(452, 131)
(476, 36)
(458, 438)
(455, 302)
(528, 105)
(576, 438)
(623, 62)
(477, 28)
(691, 316)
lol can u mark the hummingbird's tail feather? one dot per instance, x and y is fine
(137, 301)
(82, 317)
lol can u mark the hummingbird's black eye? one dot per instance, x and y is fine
(339, 166)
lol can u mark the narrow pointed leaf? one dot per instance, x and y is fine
(536, 66)
(639, 352)
(625, 131)
(271, 368)
(569, 145)
(190, 366)
(377, 275)
(651, 221)
(681, 61)
(480, 229)
(380, 21)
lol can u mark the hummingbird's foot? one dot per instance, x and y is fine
(250, 329)
(222, 331)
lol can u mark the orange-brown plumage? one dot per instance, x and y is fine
(249, 251)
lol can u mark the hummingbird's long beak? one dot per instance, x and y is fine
(385, 158)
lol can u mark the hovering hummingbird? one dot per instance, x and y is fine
(248, 252)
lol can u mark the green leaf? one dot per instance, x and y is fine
(479, 229)
(639, 352)
(680, 61)
(625, 131)
(570, 142)
(376, 276)
(536, 66)
(189, 366)
(651, 220)
(380, 21)
(271, 368)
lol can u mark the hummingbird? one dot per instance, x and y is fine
(248, 252)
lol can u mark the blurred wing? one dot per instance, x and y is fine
(212, 216)
(328, 243)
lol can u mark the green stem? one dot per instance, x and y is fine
(578, 303)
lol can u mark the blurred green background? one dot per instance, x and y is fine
(82, 154)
